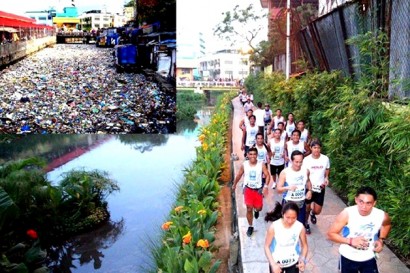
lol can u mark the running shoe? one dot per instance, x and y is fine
(273, 185)
(313, 219)
(256, 214)
(308, 229)
(250, 231)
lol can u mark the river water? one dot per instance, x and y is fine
(147, 169)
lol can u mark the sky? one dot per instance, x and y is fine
(195, 16)
(20, 6)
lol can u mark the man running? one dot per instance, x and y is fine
(249, 135)
(277, 162)
(318, 166)
(294, 184)
(264, 152)
(360, 230)
(295, 144)
(252, 171)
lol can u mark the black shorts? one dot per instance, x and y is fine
(276, 169)
(317, 198)
(290, 269)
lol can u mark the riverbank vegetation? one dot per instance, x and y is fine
(188, 103)
(364, 132)
(32, 209)
(188, 238)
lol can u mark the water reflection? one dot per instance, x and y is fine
(84, 249)
(148, 169)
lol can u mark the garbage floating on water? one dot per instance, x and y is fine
(75, 89)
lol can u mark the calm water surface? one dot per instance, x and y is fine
(147, 169)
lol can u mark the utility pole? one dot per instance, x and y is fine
(288, 40)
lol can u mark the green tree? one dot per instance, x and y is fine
(241, 25)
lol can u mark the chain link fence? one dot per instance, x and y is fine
(400, 49)
(324, 41)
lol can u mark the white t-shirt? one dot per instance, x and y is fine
(278, 150)
(297, 178)
(290, 128)
(366, 226)
(294, 147)
(304, 135)
(252, 175)
(251, 135)
(262, 153)
(276, 120)
(285, 246)
(260, 115)
(317, 168)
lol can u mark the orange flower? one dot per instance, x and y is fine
(187, 238)
(203, 243)
(166, 225)
(32, 234)
(179, 208)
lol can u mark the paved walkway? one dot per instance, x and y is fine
(322, 255)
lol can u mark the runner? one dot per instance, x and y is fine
(249, 135)
(318, 166)
(253, 191)
(360, 230)
(277, 162)
(295, 144)
(264, 153)
(285, 244)
(259, 113)
(304, 133)
(294, 185)
(290, 125)
(245, 120)
(248, 105)
(276, 119)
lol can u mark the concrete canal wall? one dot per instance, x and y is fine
(10, 52)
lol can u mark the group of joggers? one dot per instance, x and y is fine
(280, 154)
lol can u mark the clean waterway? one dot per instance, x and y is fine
(147, 169)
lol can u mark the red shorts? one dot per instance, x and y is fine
(253, 198)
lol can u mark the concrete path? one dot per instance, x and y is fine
(323, 255)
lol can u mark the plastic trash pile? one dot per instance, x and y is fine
(75, 89)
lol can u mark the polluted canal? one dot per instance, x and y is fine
(147, 169)
(76, 89)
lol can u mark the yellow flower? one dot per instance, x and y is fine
(202, 212)
(205, 146)
(187, 238)
(179, 208)
(166, 225)
(203, 243)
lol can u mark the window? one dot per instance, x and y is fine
(228, 62)
(186, 71)
(42, 18)
(97, 18)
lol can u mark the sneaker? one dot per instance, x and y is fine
(250, 231)
(273, 185)
(313, 219)
(256, 214)
(308, 229)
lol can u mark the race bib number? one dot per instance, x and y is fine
(316, 188)
(286, 257)
(297, 195)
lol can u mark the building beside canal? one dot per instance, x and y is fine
(21, 36)
(67, 20)
(44, 17)
(96, 19)
(226, 64)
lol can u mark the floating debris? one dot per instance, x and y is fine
(76, 89)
